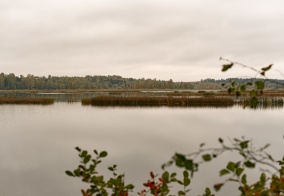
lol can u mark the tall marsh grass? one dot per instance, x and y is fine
(263, 102)
(159, 101)
(13, 100)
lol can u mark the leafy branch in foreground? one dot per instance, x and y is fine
(231, 63)
(115, 186)
(256, 87)
(162, 186)
(249, 158)
(87, 171)
(271, 180)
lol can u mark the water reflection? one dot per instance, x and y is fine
(37, 142)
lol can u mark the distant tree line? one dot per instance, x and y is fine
(13, 82)
(269, 83)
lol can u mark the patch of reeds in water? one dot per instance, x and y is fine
(159, 101)
(71, 100)
(14, 100)
(182, 94)
(263, 102)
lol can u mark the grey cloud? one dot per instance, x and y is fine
(117, 36)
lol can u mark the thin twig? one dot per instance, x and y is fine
(243, 65)
(255, 70)
(280, 72)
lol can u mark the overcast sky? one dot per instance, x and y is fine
(164, 39)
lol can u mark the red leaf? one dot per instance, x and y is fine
(162, 181)
(152, 174)
(84, 193)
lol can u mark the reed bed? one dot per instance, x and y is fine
(273, 94)
(246, 94)
(206, 94)
(115, 93)
(159, 101)
(181, 94)
(263, 102)
(71, 100)
(14, 100)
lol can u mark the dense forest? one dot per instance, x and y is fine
(13, 82)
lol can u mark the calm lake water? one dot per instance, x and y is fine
(37, 142)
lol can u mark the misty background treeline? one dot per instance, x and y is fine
(13, 82)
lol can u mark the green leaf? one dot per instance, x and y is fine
(96, 152)
(207, 192)
(181, 193)
(186, 181)
(231, 166)
(233, 179)
(69, 173)
(180, 182)
(165, 176)
(129, 187)
(243, 154)
(239, 171)
(220, 140)
(262, 73)
(267, 68)
(82, 167)
(227, 66)
(201, 145)
(173, 175)
(263, 177)
(244, 144)
(249, 164)
(206, 157)
(78, 149)
(87, 159)
(244, 179)
(103, 154)
(270, 157)
(189, 165)
(77, 172)
(84, 153)
(185, 174)
(259, 85)
(224, 172)
(180, 160)
(92, 168)
(218, 186)
(99, 179)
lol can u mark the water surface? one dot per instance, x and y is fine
(37, 142)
